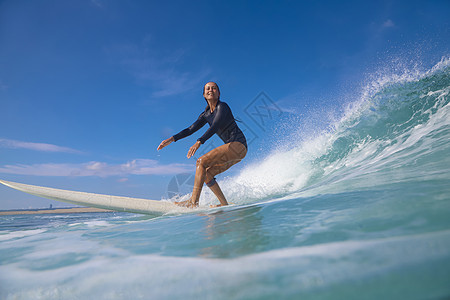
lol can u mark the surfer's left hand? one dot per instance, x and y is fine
(193, 149)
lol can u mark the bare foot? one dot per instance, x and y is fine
(218, 205)
(186, 203)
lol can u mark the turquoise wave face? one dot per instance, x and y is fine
(399, 133)
(396, 132)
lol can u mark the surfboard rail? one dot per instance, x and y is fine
(116, 203)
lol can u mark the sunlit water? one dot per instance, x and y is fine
(360, 211)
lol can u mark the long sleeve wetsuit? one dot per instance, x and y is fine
(221, 121)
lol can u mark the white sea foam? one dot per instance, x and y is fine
(91, 224)
(308, 162)
(8, 235)
(302, 269)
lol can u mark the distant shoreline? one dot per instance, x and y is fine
(73, 210)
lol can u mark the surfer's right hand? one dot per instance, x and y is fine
(165, 143)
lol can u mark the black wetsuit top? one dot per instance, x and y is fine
(221, 121)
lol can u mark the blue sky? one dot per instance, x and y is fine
(88, 89)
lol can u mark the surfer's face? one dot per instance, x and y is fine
(211, 91)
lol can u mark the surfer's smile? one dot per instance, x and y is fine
(211, 91)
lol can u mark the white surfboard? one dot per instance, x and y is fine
(117, 203)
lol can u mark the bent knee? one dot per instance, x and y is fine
(203, 162)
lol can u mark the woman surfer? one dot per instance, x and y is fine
(221, 121)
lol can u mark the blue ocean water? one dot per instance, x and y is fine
(360, 210)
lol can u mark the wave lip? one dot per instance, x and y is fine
(397, 131)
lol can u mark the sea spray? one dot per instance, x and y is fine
(395, 131)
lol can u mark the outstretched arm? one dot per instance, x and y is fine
(199, 123)
(184, 133)
(165, 143)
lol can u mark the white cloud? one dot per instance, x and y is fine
(289, 103)
(97, 3)
(13, 144)
(100, 169)
(388, 24)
